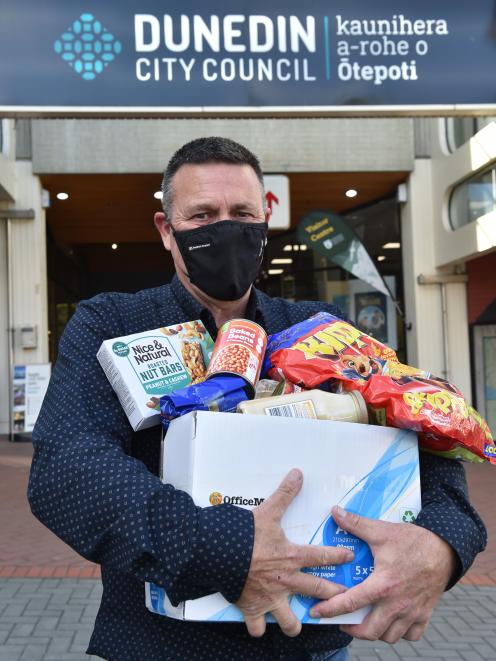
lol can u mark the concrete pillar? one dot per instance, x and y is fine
(27, 267)
(23, 282)
(4, 335)
(436, 342)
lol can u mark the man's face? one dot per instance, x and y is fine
(206, 193)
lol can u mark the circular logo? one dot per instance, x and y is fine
(120, 349)
(490, 450)
(215, 498)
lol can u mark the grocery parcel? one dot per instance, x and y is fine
(144, 366)
(225, 458)
(327, 349)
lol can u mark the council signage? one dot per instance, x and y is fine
(105, 57)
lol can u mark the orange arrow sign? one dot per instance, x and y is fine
(270, 197)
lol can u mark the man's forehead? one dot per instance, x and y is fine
(215, 174)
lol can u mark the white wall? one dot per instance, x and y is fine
(422, 304)
(283, 145)
(28, 266)
(7, 157)
(4, 337)
(435, 343)
(7, 192)
(23, 263)
(458, 246)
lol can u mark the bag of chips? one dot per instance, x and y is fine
(326, 348)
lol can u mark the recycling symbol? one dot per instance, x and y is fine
(408, 516)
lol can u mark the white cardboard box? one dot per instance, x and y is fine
(226, 457)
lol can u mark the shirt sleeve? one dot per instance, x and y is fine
(447, 512)
(106, 504)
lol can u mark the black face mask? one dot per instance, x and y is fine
(223, 258)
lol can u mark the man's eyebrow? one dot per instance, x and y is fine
(245, 205)
(206, 206)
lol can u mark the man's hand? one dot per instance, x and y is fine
(276, 563)
(412, 567)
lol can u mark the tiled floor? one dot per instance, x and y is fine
(49, 595)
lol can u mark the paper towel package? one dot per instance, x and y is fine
(241, 459)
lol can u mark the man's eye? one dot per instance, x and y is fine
(244, 214)
(201, 216)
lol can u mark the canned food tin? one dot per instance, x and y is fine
(239, 349)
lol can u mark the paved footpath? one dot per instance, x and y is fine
(51, 619)
(49, 595)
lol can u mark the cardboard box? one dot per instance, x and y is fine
(241, 459)
(144, 366)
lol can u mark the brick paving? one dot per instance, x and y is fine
(27, 548)
(47, 619)
(461, 628)
(49, 595)
(51, 620)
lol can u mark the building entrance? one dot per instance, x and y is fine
(101, 237)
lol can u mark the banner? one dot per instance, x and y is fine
(332, 237)
(259, 57)
(29, 387)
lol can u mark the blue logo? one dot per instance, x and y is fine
(87, 46)
(490, 450)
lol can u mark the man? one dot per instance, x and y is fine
(94, 482)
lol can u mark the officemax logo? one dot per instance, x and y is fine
(87, 46)
(216, 498)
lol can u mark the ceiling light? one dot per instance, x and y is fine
(275, 271)
(281, 260)
(158, 194)
(296, 247)
(303, 246)
(287, 248)
(351, 192)
(392, 245)
(114, 246)
(62, 196)
(381, 258)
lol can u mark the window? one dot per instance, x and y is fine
(473, 198)
(296, 272)
(460, 129)
(4, 136)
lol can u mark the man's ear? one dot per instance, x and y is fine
(163, 227)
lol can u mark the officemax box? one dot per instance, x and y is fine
(241, 459)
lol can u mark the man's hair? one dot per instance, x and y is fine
(206, 150)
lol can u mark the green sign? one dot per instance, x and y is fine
(332, 237)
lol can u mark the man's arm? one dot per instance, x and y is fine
(112, 510)
(413, 564)
(447, 512)
(106, 504)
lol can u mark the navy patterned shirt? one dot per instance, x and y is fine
(94, 482)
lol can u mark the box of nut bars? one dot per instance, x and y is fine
(144, 366)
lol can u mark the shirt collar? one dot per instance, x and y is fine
(195, 310)
(186, 301)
